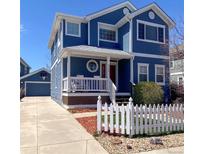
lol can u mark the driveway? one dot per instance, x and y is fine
(47, 128)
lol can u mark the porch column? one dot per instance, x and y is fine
(131, 69)
(108, 70)
(68, 72)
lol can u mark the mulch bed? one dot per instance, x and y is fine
(89, 123)
(122, 144)
(82, 110)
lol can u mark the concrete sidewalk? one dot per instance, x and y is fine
(47, 128)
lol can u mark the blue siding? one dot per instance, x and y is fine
(152, 62)
(72, 41)
(123, 37)
(110, 18)
(147, 47)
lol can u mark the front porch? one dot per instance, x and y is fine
(81, 83)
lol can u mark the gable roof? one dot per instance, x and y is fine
(110, 9)
(35, 72)
(24, 63)
(158, 11)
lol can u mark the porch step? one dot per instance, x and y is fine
(122, 99)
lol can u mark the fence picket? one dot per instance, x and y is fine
(158, 119)
(150, 119)
(137, 120)
(122, 119)
(127, 120)
(167, 117)
(182, 112)
(141, 119)
(154, 118)
(177, 117)
(99, 107)
(162, 117)
(117, 119)
(132, 116)
(106, 117)
(170, 117)
(145, 119)
(111, 119)
(174, 117)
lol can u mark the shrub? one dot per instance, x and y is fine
(148, 93)
(177, 93)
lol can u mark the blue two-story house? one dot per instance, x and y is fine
(103, 52)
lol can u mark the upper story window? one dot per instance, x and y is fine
(150, 32)
(160, 74)
(143, 72)
(107, 32)
(73, 29)
(171, 64)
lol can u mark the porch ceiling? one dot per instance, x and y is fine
(84, 50)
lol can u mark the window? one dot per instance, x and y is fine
(150, 32)
(107, 32)
(92, 66)
(180, 81)
(73, 29)
(143, 72)
(160, 74)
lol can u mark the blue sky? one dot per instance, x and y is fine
(37, 17)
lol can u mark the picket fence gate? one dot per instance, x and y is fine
(133, 120)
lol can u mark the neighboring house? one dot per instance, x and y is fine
(103, 52)
(24, 67)
(36, 83)
(177, 65)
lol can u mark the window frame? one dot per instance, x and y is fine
(79, 28)
(153, 25)
(107, 27)
(88, 68)
(138, 72)
(161, 66)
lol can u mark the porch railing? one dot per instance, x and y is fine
(75, 84)
(113, 89)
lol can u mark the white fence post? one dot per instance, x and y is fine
(99, 113)
(167, 117)
(170, 117)
(162, 114)
(111, 119)
(141, 119)
(150, 119)
(154, 118)
(174, 117)
(122, 119)
(127, 119)
(158, 119)
(145, 119)
(117, 119)
(132, 116)
(177, 117)
(106, 117)
(137, 120)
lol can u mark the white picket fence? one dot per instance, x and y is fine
(133, 120)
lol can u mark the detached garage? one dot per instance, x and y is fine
(36, 83)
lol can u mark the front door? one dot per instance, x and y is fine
(112, 72)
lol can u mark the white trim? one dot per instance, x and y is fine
(34, 72)
(85, 94)
(61, 80)
(116, 70)
(54, 63)
(111, 9)
(37, 82)
(79, 28)
(153, 25)
(107, 27)
(150, 56)
(138, 71)
(123, 94)
(131, 70)
(177, 73)
(158, 11)
(87, 65)
(88, 32)
(160, 66)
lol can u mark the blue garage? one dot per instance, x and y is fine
(36, 83)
